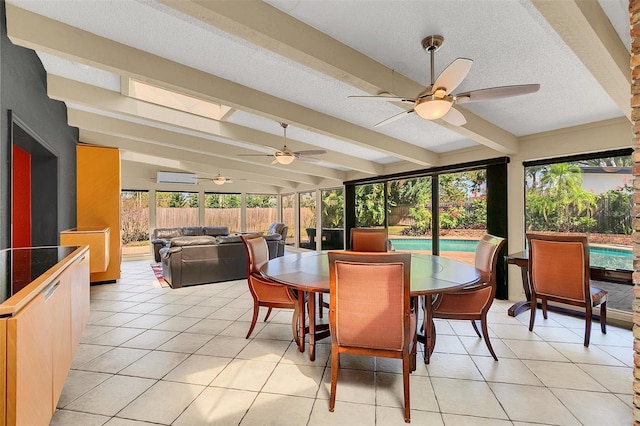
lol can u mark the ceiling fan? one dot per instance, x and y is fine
(285, 155)
(221, 180)
(436, 101)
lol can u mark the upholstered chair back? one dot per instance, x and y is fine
(369, 239)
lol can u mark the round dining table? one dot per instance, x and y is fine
(308, 273)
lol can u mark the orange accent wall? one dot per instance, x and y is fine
(21, 198)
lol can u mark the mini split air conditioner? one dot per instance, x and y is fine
(181, 178)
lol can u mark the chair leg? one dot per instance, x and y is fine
(320, 305)
(544, 307)
(294, 325)
(532, 317)
(266, 317)
(256, 307)
(485, 333)
(335, 366)
(587, 326)
(405, 380)
(603, 318)
(475, 327)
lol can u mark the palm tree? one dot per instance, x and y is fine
(563, 196)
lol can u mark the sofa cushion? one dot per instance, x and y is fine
(276, 228)
(192, 230)
(229, 239)
(273, 237)
(195, 240)
(167, 233)
(215, 231)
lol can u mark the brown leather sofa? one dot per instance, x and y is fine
(161, 236)
(192, 260)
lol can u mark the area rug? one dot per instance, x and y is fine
(157, 271)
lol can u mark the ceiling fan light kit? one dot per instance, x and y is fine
(283, 157)
(219, 180)
(432, 107)
(436, 101)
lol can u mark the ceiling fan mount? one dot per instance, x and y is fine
(437, 101)
(432, 43)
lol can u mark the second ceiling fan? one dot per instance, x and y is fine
(285, 155)
(436, 101)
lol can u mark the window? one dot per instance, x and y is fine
(409, 207)
(332, 219)
(586, 195)
(176, 209)
(262, 211)
(222, 210)
(134, 219)
(288, 216)
(462, 213)
(307, 231)
(470, 199)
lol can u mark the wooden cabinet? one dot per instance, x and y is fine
(98, 200)
(98, 241)
(30, 364)
(39, 334)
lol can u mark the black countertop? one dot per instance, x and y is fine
(21, 266)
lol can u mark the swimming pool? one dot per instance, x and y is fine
(601, 257)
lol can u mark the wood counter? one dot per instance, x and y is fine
(44, 307)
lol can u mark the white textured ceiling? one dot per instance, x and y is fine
(510, 42)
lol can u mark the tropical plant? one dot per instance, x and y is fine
(559, 203)
(370, 204)
(332, 208)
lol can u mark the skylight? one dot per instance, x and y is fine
(175, 100)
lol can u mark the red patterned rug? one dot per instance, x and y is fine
(157, 271)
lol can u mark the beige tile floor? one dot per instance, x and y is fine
(153, 355)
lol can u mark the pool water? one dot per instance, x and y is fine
(601, 257)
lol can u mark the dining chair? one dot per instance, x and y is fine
(265, 292)
(381, 326)
(369, 239)
(363, 240)
(559, 271)
(473, 302)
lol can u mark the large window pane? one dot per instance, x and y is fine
(307, 231)
(262, 211)
(409, 214)
(369, 205)
(176, 209)
(332, 219)
(134, 216)
(288, 216)
(222, 210)
(592, 197)
(462, 213)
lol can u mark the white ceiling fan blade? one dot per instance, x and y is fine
(454, 117)
(393, 118)
(384, 98)
(255, 155)
(310, 152)
(496, 93)
(453, 75)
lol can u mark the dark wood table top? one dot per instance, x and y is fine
(429, 274)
